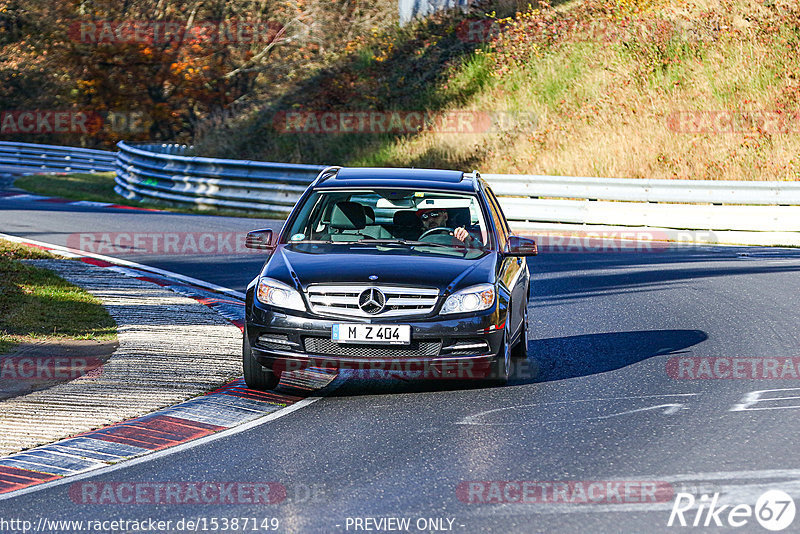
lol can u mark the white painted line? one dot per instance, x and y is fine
(670, 409)
(148, 457)
(126, 263)
(55, 452)
(80, 454)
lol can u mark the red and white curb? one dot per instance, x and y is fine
(229, 409)
(208, 416)
(227, 302)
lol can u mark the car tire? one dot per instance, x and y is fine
(500, 368)
(520, 350)
(255, 375)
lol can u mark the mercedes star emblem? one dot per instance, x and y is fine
(372, 300)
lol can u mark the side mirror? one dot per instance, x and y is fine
(259, 239)
(522, 246)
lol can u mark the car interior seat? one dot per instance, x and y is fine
(348, 220)
(406, 225)
(458, 217)
(374, 230)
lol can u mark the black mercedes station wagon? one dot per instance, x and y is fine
(404, 270)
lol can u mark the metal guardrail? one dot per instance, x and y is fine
(689, 204)
(170, 173)
(643, 190)
(50, 158)
(677, 216)
(414, 8)
(165, 172)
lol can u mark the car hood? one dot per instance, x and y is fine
(344, 264)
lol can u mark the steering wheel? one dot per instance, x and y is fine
(438, 229)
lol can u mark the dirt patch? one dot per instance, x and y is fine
(41, 365)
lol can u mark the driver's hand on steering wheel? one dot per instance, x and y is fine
(461, 234)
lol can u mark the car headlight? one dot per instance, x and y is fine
(475, 298)
(274, 293)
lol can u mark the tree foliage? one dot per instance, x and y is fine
(155, 70)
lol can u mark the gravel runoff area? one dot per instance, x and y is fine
(171, 348)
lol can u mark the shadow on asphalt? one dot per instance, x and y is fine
(549, 360)
(588, 354)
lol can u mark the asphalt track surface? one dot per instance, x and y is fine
(595, 401)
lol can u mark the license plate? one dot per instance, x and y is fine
(379, 334)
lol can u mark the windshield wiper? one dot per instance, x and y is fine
(368, 241)
(409, 243)
(321, 241)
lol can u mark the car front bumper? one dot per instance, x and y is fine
(462, 346)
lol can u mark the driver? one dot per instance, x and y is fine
(437, 218)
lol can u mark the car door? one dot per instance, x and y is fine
(513, 271)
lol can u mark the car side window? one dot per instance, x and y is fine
(499, 210)
(497, 218)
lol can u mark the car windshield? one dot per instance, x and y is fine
(432, 222)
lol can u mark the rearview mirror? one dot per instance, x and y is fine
(522, 246)
(259, 239)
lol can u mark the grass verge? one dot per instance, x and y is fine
(100, 188)
(36, 304)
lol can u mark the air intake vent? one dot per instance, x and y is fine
(327, 347)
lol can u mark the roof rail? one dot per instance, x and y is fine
(477, 176)
(327, 172)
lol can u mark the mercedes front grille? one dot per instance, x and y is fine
(371, 300)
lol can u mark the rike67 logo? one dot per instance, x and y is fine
(774, 510)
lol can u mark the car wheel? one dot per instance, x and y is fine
(520, 351)
(500, 369)
(256, 376)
